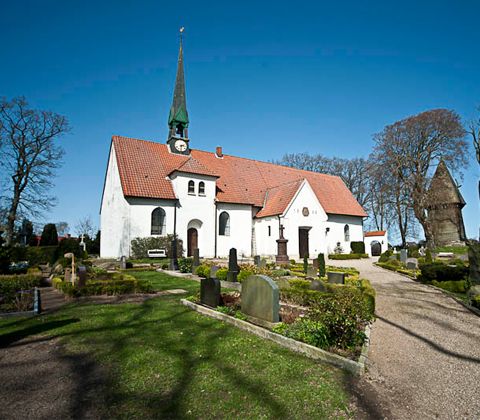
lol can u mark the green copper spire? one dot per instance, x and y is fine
(178, 117)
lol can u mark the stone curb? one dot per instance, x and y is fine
(445, 292)
(356, 368)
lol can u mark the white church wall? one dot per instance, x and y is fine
(195, 210)
(294, 219)
(115, 214)
(336, 224)
(240, 236)
(266, 235)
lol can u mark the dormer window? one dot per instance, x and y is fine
(201, 188)
(191, 187)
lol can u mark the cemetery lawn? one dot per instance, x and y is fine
(159, 359)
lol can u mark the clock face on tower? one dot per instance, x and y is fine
(181, 145)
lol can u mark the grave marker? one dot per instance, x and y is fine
(210, 292)
(336, 278)
(123, 262)
(256, 260)
(232, 266)
(196, 259)
(403, 256)
(261, 298)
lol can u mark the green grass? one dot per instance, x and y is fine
(457, 250)
(164, 360)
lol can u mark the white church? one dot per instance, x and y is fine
(214, 201)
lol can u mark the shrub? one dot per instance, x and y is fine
(203, 271)
(476, 301)
(321, 265)
(305, 330)
(244, 273)
(442, 272)
(49, 235)
(185, 265)
(222, 273)
(428, 256)
(459, 286)
(140, 246)
(280, 273)
(385, 256)
(358, 247)
(70, 245)
(12, 285)
(42, 254)
(300, 284)
(347, 256)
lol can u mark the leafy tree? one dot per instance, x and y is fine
(410, 148)
(29, 158)
(49, 235)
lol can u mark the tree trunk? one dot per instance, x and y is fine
(12, 216)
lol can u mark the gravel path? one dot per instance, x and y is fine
(424, 359)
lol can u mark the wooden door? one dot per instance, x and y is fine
(192, 241)
(303, 242)
(376, 248)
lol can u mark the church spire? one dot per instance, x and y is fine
(178, 117)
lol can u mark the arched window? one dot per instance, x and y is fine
(346, 231)
(201, 188)
(158, 221)
(191, 187)
(224, 222)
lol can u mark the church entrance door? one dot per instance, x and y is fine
(376, 248)
(303, 242)
(192, 241)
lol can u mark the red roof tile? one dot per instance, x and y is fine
(375, 233)
(278, 198)
(193, 166)
(145, 165)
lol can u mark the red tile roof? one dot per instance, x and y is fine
(145, 165)
(278, 198)
(193, 166)
(375, 233)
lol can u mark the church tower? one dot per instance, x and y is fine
(178, 141)
(445, 208)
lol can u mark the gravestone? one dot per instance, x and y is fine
(210, 292)
(196, 259)
(315, 264)
(173, 256)
(82, 276)
(123, 262)
(263, 263)
(412, 263)
(312, 272)
(282, 257)
(213, 271)
(261, 298)
(336, 278)
(403, 256)
(318, 285)
(256, 260)
(232, 266)
(68, 275)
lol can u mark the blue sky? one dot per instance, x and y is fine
(263, 78)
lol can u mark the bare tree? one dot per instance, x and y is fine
(408, 149)
(62, 228)
(86, 226)
(473, 129)
(29, 157)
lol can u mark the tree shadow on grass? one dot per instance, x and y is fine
(10, 338)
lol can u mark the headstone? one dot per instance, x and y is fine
(82, 276)
(312, 272)
(68, 275)
(210, 292)
(315, 264)
(282, 256)
(123, 262)
(82, 243)
(263, 263)
(232, 266)
(318, 285)
(403, 255)
(173, 256)
(336, 278)
(196, 259)
(256, 260)
(421, 251)
(213, 271)
(261, 298)
(412, 263)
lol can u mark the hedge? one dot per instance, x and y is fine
(442, 272)
(347, 256)
(357, 247)
(10, 285)
(452, 286)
